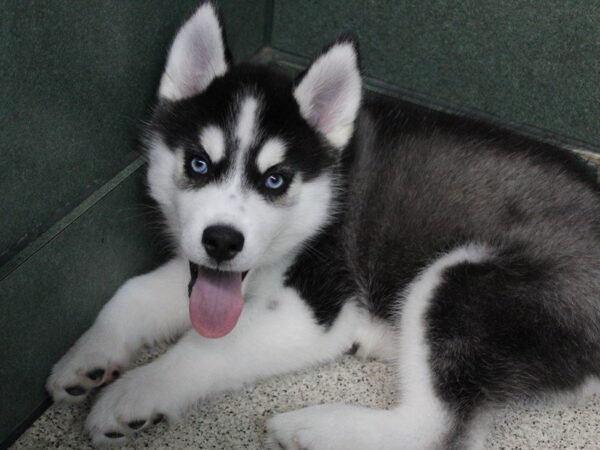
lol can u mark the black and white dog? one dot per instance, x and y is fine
(307, 222)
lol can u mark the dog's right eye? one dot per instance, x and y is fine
(199, 165)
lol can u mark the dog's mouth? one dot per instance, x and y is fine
(216, 300)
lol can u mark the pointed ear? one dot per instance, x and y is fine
(330, 91)
(198, 55)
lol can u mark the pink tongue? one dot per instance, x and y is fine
(216, 302)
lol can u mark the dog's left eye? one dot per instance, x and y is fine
(274, 181)
(199, 165)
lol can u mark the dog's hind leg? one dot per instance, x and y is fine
(422, 421)
(477, 327)
(146, 309)
(274, 335)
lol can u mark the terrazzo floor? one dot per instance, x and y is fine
(237, 420)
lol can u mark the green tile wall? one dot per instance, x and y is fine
(530, 61)
(50, 299)
(77, 78)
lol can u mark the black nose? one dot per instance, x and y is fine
(222, 242)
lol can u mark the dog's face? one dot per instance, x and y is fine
(241, 159)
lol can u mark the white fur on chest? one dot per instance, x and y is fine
(266, 290)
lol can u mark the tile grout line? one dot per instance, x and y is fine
(61, 225)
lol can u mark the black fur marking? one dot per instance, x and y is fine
(196, 180)
(258, 179)
(321, 276)
(179, 123)
(422, 183)
(493, 338)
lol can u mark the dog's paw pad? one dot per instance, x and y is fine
(140, 424)
(157, 419)
(96, 374)
(114, 435)
(131, 405)
(97, 359)
(76, 384)
(136, 424)
(76, 391)
(121, 430)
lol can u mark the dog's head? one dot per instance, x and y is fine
(242, 160)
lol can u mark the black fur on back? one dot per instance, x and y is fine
(421, 183)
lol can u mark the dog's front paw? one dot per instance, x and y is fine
(132, 404)
(97, 359)
(304, 429)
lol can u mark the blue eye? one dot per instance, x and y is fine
(198, 165)
(274, 181)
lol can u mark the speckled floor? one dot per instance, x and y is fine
(236, 420)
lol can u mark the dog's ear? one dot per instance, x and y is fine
(198, 55)
(330, 91)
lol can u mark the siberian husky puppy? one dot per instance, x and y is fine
(308, 221)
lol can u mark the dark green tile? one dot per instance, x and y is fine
(531, 61)
(77, 78)
(245, 23)
(54, 296)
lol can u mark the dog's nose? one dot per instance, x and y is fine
(222, 242)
